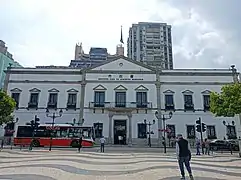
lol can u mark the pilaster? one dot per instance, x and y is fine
(82, 97)
(110, 128)
(158, 94)
(130, 129)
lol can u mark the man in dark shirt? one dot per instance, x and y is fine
(183, 156)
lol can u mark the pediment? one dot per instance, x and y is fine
(187, 92)
(34, 90)
(99, 88)
(168, 92)
(122, 64)
(206, 92)
(72, 90)
(141, 88)
(16, 90)
(53, 90)
(120, 88)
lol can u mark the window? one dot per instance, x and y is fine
(72, 97)
(188, 103)
(206, 102)
(99, 99)
(120, 99)
(191, 132)
(33, 101)
(16, 96)
(141, 99)
(53, 99)
(231, 132)
(169, 104)
(98, 130)
(142, 130)
(211, 132)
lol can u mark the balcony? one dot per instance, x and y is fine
(32, 105)
(206, 107)
(52, 105)
(188, 107)
(71, 105)
(169, 107)
(108, 105)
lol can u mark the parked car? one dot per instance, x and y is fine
(224, 145)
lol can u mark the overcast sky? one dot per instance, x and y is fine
(206, 33)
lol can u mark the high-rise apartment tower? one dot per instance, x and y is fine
(151, 43)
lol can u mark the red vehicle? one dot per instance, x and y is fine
(62, 136)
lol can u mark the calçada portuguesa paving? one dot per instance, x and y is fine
(64, 165)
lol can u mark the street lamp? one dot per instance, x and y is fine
(164, 118)
(54, 115)
(149, 124)
(11, 131)
(229, 133)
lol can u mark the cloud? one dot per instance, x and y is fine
(43, 32)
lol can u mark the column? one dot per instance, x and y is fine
(110, 128)
(159, 121)
(130, 129)
(82, 97)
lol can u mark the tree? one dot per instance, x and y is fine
(228, 102)
(7, 106)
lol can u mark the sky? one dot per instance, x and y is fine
(205, 33)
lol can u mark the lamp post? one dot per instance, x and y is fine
(227, 129)
(11, 139)
(149, 124)
(163, 118)
(54, 115)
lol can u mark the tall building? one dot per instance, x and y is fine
(96, 56)
(151, 43)
(6, 59)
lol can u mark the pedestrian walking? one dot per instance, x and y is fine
(80, 143)
(184, 156)
(198, 145)
(102, 144)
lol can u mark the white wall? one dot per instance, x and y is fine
(110, 92)
(44, 94)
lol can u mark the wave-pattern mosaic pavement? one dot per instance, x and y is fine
(59, 165)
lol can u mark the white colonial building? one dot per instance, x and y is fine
(117, 96)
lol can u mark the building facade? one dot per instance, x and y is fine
(151, 43)
(117, 96)
(6, 59)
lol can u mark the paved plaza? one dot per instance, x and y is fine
(71, 165)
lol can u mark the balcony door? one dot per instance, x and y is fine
(120, 99)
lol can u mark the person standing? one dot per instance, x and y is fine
(198, 145)
(102, 144)
(207, 146)
(80, 143)
(183, 156)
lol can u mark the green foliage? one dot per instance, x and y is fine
(7, 106)
(228, 102)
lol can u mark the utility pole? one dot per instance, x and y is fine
(236, 80)
(201, 127)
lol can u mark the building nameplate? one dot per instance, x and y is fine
(120, 79)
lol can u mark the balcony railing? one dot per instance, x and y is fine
(32, 104)
(169, 106)
(52, 105)
(134, 105)
(71, 105)
(188, 107)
